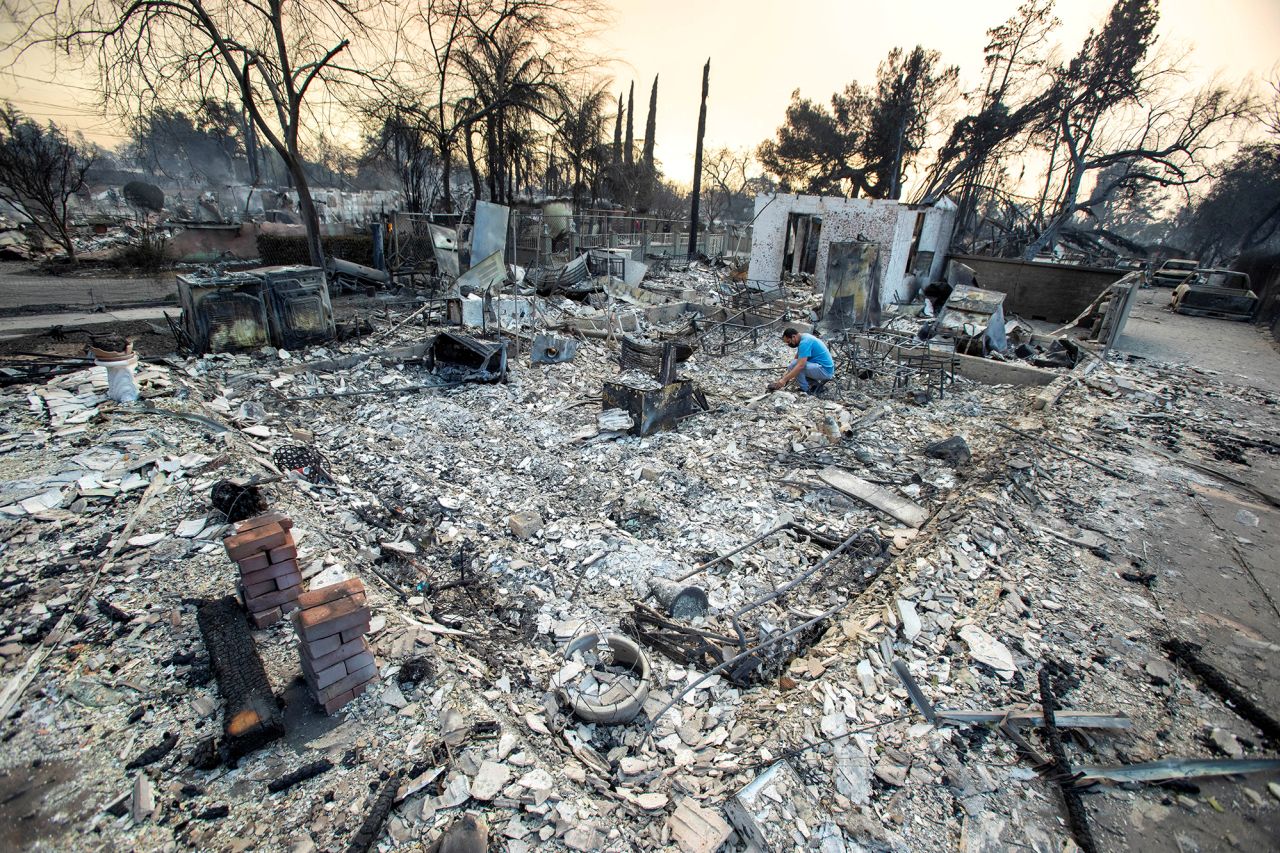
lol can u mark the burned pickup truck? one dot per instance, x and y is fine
(1174, 272)
(1225, 294)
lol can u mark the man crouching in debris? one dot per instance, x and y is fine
(813, 367)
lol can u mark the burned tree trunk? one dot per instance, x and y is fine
(310, 219)
(471, 163)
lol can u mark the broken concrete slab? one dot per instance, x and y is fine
(986, 649)
(490, 780)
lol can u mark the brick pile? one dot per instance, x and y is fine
(336, 661)
(270, 581)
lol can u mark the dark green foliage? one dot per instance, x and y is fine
(1242, 211)
(144, 196)
(279, 249)
(868, 139)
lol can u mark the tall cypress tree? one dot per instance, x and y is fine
(697, 162)
(650, 126)
(628, 152)
(617, 134)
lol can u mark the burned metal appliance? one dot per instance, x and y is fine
(552, 349)
(462, 358)
(347, 275)
(284, 306)
(652, 406)
(572, 279)
(301, 313)
(975, 319)
(223, 313)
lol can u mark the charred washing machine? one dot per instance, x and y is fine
(224, 312)
(284, 306)
(300, 312)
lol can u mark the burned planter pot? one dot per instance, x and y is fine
(600, 690)
(657, 407)
(463, 358)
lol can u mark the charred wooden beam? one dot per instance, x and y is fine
(367, 836)
(109, 610)
(251, 715)
(302, 774)
(1077, 816)
(152, 754)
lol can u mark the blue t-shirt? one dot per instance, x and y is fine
(816, 351)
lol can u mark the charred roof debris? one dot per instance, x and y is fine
(536, 560)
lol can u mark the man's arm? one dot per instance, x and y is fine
(791, 374)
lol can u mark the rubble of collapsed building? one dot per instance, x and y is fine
(540, 563)
(198, 224)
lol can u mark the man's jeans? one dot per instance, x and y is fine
(812, 373)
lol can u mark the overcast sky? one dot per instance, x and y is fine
(761, 50)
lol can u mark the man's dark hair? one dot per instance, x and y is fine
(789, 332)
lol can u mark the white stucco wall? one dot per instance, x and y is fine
(891, 224)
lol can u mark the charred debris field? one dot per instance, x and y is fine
(388, 592)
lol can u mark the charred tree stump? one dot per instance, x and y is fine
(302, 774)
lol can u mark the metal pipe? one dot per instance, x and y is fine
(704, 566)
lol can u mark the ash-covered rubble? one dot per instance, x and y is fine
(495, 524)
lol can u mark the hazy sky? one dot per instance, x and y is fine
(761, 50)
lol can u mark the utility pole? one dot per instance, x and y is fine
(697, 162)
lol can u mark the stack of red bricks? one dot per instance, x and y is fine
(336, 660)
(263, 548)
